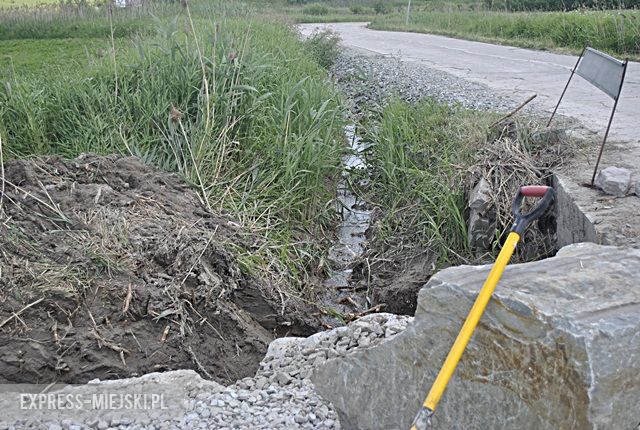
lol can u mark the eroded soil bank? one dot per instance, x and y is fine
(112, 269)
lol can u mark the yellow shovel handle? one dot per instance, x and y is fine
(450, 364)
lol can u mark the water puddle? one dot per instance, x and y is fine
(340, 297)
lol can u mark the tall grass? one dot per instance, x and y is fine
(419, 155)
(237, 106)
(616, 32)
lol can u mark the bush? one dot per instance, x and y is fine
(379, 7)
(323, 47)
(358, 10)
(316, 9)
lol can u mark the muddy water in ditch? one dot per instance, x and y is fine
(339, 295)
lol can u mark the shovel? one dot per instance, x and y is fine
(423, 419)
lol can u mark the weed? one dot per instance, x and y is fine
(323, 46)
(418, 157)
(380, 7)
(358, 10)
(316, 10)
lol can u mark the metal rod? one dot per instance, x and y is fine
(613, 111)
(573, 71)
(408, 13)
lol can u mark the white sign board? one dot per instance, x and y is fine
(602, 70)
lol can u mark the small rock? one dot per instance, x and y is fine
(481, 198)
(283, 378)
(364, 342)
(301, 418)
(261, 383)
(614, 181)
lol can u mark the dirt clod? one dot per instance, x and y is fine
(112, 269)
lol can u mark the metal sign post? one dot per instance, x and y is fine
(408, 13)
(605, 73)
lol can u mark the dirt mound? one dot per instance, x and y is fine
(112, 269)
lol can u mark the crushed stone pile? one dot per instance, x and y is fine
(373, 79)
(279, 396)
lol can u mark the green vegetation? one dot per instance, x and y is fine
(6, 4)
(236, 105)
(525, 23)
(426, 158)
(323, 46)
(554, 5)
(419, 157)
(21, 57)
(301, 11)
(616, 32)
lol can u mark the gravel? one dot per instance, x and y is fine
(373, 79)
(280, 395)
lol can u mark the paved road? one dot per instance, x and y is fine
(513, 71)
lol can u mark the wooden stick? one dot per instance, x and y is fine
(101, 340)
(515, 111)
(17, 314)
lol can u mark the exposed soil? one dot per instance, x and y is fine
(112, 269)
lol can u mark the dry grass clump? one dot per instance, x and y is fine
(517, 153)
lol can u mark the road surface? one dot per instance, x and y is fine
(515, 72)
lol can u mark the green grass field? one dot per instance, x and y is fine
(5, 4)
(616, 32)
(51, 57)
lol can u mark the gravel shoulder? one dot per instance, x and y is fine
(369, 78)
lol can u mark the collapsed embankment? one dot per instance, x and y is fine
(111, 269)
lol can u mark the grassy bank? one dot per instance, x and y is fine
(234, 104)
(615, 32)
(419, 159)
(426, 158)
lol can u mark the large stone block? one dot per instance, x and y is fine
(558, 348)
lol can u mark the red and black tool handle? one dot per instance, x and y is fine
(522, 221)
